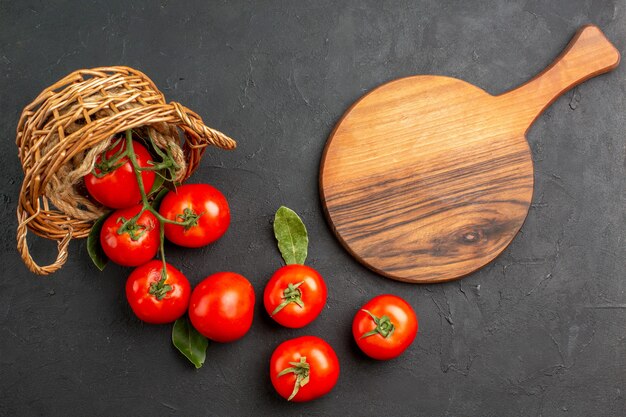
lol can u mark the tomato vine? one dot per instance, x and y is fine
(167, 165)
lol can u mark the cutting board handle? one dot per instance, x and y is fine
(588, 54)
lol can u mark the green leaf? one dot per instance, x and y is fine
(158, 183)
(159, 197)
(93, 244)
(291, 235)
(189, 342)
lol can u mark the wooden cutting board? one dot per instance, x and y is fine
(428, 178)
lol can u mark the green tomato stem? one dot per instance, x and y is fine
(301, 370)
(291, 294)
(159, 289)
(384, 326)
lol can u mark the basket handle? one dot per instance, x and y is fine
(195, 123)
(22, 246)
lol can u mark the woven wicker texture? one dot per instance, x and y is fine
(60, 134)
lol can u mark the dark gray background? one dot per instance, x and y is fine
(540, 331)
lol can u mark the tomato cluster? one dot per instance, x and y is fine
(221, 307)
(190, 215)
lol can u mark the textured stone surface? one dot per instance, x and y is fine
(540, 331)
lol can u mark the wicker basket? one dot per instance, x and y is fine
(60, 134)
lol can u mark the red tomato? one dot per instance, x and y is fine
(153, 303)
(304, 368)
(130, 245)
(204, 205)
(119, 188)
(295, 295)
(384, 327)
(222, 307)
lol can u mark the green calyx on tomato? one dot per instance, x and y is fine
(384, 326)
(301, 371)
(110, 164)
(291, 294)
(160, 289)
(130, 226)
(167, 165)
(189, 218)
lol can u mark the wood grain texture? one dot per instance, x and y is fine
(429, 178)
